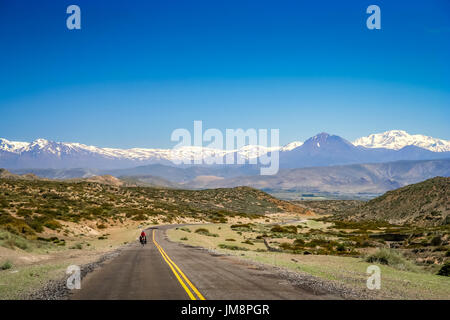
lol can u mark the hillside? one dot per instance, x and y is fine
(27, 206)
(358, 178)
(426, 203)
(5, 174)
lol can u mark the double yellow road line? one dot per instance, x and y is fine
(179, 274)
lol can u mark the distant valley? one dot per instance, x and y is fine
(363, 180)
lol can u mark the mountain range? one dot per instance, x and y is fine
(321, 150)
(398, 139)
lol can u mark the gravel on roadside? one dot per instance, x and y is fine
(57, 289)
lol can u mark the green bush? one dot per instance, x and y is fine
(21, 243)
(286, 229)
(12, 241)
(241, 226)
(24, 212)
(445, 270)
(184, 238)
(205, 232)
(52, 224)
(391, 258)
(299, 242)
(78, 246)
(286, 246)
(436, 241)
(5, 266)
(232, 247)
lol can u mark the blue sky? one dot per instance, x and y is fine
(137, 70)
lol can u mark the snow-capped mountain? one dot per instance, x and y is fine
(398, 139)
(320, 150)
(326, 150)
(42, 153)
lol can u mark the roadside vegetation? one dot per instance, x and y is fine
(341, 251)
(391, 258)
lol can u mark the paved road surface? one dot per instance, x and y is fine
(165, 270)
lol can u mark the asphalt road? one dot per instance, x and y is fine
(164, 270)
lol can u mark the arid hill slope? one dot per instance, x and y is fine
(426, 203)
(27, 206)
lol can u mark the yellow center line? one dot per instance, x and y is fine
(183, 275)
(178, 277)
(172, 264)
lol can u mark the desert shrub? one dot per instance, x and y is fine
(285, 246)
(52, 224)
(78, 246)
(340, 247)
(445, 270)
(248, 242)
(184, 238)
(13, 241)
(391, 258)
(142, 217)
(299, 242)
(436, 241)
(241, 226)
(230, 239)
(286, 229)
(15, 226)
(101, 226)
(185, 229)
(232, 247)
(24, 212)
(205, 232)
(320, 243)
(21, 243)
(6, 265)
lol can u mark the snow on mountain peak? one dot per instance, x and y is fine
(12, 146)
(397, 139)
(291, 146)
(139, 154)
(39, 142)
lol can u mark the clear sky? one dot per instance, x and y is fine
(137, 70)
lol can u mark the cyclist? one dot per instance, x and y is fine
(143, 238)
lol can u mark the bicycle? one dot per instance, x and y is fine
(143, 240)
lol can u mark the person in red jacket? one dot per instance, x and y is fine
(143, 238)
